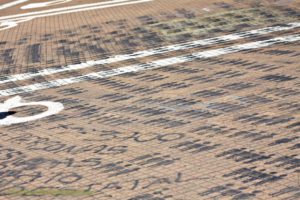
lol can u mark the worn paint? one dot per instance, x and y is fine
(147, 66)
(150, 52)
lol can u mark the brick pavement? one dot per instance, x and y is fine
(223, 125)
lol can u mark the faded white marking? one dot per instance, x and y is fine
(7, 5)
(150, 52)
(15, 102)
(44, 4)
(13, 20)
(147, 66)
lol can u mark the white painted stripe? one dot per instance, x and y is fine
(58, 10)
(8, 23)
(147, 66)
(44, 4)
(149, 52)
(7, 5)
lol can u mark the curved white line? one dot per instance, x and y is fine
(15, 102)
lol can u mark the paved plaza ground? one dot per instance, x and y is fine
(149, 99)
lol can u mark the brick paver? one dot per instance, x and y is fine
(216, 127)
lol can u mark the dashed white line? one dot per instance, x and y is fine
(147, 66)
(150, 52)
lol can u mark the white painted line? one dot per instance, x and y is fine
(8, 22)
(38, 13)
(149, 52)
(7, 5)
(147, 66)
(44, 4)
(15, 102)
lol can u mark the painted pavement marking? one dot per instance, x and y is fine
(7, 5)
(15, 102)
(150, 52)
(11, 21)
(57, 10)
(147, 66)
(44, 4)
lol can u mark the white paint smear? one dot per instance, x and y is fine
(13, 20)
(15, 102)
(7, 5)
(147, 66)
(150, 52)
(44, 4)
